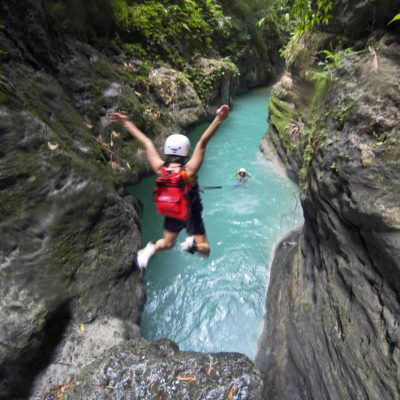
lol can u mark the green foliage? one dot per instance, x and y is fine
(396, 18)
(307, 158)
(332, 58)
(121, 12)
(204, 83)
(282, 115)
(314, 133)
(135, 50)
(313, 136)
(340, 115)
(307, 14)
(324, 76)
(172, 32)
(246, 43)
(297, 17)
(170, 26)
(232, 66)
(302, 15)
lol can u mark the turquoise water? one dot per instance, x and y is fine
(217, 304)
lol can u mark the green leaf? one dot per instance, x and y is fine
(396, 18)
(262, 20)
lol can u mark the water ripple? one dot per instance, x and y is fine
(217, 304)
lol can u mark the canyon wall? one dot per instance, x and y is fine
(332, 320)
(69, 289)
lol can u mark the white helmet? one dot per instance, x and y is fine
(177, 145)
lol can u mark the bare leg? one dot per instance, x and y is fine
(167, 242)
(202, 244)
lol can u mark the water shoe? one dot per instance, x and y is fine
(188, 245)
(144, 255)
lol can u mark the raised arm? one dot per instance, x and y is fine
(154, 158)
(194, 164)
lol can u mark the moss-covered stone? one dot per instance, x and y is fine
(281, 115)
(331, 330)
(69, 230)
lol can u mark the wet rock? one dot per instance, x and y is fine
(356, 19)
(177, 93)
(221, 86)
(141, 369)
(69, 289)
(81, 344)
(332, 329)
(273, 359)
(68, 245)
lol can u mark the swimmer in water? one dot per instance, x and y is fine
(242, 176)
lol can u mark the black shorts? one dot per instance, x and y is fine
(194, 225)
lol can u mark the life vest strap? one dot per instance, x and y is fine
(185, 179)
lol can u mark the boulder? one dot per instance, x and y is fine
(142, 369)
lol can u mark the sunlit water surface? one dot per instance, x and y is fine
(217, 304)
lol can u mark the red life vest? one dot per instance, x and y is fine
(171, 193)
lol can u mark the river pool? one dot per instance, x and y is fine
(217, 304)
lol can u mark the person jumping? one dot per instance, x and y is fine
(176, 149)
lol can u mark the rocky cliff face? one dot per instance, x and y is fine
(141, 369)
(332, 329)
(69, 232)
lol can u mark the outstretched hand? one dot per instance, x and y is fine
(119, 118)
(223, 112)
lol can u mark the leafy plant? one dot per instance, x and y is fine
(307, 14)
(298, 17)
(135, 50)
(204, 82)
(121, 12)
(330, 62)
(170, 27)
(303, 15)
(312, 138)
(396, 18)
(332, 58)
(324, 76)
